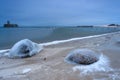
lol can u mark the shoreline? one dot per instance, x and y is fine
(74, 39)
(50, 64)
(67, 40)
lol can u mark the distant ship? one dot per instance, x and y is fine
(9, 25)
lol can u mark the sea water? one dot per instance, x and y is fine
(9, 36)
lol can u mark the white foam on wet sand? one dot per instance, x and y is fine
(72, 39)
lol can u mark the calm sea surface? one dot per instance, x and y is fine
(9, 36)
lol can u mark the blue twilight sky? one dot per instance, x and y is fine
(60, 12)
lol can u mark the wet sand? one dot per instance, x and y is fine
(49, 64)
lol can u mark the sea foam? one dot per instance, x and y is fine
(72, 39)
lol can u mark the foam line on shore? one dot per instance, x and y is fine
(4, 51)
(63, 41)
(72, 39)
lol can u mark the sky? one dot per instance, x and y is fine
(60, 12)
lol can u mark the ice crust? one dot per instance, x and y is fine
(24, 48)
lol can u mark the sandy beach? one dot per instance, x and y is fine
(50, 65)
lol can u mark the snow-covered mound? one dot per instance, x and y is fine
(24, 48)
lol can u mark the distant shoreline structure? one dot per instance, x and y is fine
(109, 25)
(9, 25)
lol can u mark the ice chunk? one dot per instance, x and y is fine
(24, 48)
(82, 56)
(88, 61)
(26, 70)
(102, 65)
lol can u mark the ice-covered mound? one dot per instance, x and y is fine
(88, 61)
(24, 48)
(102, 65)
(82, 56)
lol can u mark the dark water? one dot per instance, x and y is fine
(9, 36)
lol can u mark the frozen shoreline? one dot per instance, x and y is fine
(63, 41)
(73, 39)
(50, 64)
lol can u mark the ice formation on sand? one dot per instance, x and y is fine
(82, 56)
(88, 61)
(24, 48)
(26, 70)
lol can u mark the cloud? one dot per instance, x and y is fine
(60, 12)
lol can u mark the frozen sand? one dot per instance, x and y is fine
(50, 65)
